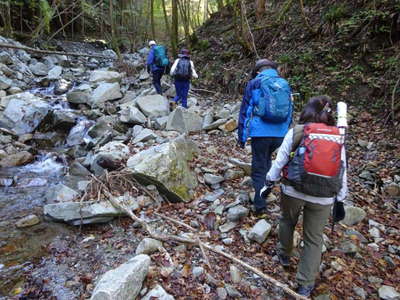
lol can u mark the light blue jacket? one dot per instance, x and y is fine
(251, 125)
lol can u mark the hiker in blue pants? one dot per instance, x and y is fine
(183, 70)
(266, 136)
(157, 66)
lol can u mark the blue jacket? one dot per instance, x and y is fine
(151, 61)
(251, 125)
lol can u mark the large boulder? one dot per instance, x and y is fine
(112, 154)
(55, 73)
(184, 121)
(353, 215)
(105, 92)
(17, 159)
(153, 105)
(25, 112)
(124, 282)
(167, 164)
(76, 213)
(5, 83)
(132, 115)
(39, 69)
(106, 76)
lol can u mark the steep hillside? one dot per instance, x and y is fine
(347, 49)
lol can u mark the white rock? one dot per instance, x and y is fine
(124, 282)
(153, 105)
(260, 231)
(132, 115)
(236, 213)
(106, 76)
(158, 293)
(144, 135)
(197, 271)
(184, 121)
(236, 276)
(105, 92)
(55, 73)
(148, 246)
(388, 293)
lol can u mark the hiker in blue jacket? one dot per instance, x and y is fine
(265, 136)
(156, 71)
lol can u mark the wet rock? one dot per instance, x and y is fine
(388, 293)
(236, 213)
(79, 133)
(25, 112)
(184, 121)
(17, 159)
(5, 58)
(124, 282)
(76, 213)
(260, 231)
(55, 73)
(211, 197)
(78, 97)
(213, 179)
(168, 164)
(354, 215)
(5, 83)
(158, 293)
(132, 115)
(39, 69)
(28, 221)
(61, 193)
(77, 169)
(105, 76)
(110, 157)
(144, 135)
(105, 92)
(236, 276)
(148, 246)
(153, 105)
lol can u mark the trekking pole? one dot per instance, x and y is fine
(342, 125)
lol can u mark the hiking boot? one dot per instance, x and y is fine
(284, 259)
(305, 290)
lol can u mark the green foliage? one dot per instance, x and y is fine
(202, 45)
(46, 13)
(335, 13)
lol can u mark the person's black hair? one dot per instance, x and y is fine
(318, 110)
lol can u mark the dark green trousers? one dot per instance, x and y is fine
(315, 217)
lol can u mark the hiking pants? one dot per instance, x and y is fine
(261, 151)
(157, 74)
(182, 91)
(315, 217)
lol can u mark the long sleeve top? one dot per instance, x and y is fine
(274, 174)
(173, 68)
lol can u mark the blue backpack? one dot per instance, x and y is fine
(274, 103)
(160, 56)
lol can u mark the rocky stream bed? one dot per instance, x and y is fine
(66, 123)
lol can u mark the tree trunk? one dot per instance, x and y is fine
(260, 9)
(174, 28)
(153, 27)
(220, 4)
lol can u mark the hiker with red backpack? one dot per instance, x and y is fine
(183, 70)
(311, 161)
(265, 116)
(157, 64)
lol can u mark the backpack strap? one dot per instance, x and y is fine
(297, 137)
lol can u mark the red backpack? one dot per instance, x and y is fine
(316, 168)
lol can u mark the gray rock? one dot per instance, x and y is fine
(5, 83)
(17, 159)
(215, 124)
(110, 53)
(236, 213)
(106, 76)
(223, 114)
(232, 291)
(25, 112)
(77, 169)
(161, 123)
(212, 179)
(392, 189)
(357, 234)
(366, 175)
(168, 164)
(61, 193)
(260, 231)
(144, 75)
(388, 293)
(14, 90)
(148, 246)
(207, 119)
(228, 226)
(246, 167)
(348, 247)
(354, 215)
(144, 136)
(27, 221)
(124, 282)
(132, 115)
(211, 197)
(55, 73)
(374, 232)
(158, 293)
(78, 97)
(360, 292)
(153, 105)
(222, 293)
(231, 174)
(79, 133)
(236, 276)
(184, 121)
(88, 213)
(105, 92)
(5, 58)
(197, 271)
(113, 152)
(39, 69)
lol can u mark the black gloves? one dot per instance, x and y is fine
(338, 212)
(148, 69)
(241, 144)
(266, 190)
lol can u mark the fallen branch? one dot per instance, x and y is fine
(203, 90)
(28, 49)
